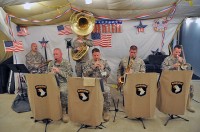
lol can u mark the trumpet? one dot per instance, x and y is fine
(183, 65)
(99, 65)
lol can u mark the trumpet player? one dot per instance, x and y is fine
(130, 64)
(77, 44)
(62, 69)
(175, 62)
(99, 68)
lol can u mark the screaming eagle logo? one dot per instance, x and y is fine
(177, 87)
(41, 90)
(83, 94)
(141, 89)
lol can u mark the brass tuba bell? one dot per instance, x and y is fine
(82, 23)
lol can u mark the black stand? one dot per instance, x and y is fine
(19, 68)
(172, 117)
(46, 121)
(116, 108)
(68, 45)
(101, 126)
(21, 102)
(120, 90)
(196, 101)
(139, 119)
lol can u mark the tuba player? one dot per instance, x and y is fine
(78, 44)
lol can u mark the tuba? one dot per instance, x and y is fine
(82, 24)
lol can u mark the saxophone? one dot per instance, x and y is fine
(127, 70)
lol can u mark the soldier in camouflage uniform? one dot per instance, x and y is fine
(173, 62)
(62, 70)
(99, 68)
(34, 60)
(131, 64)
(76, 47)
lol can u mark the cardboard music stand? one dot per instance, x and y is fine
(140, 91)
(44, 96)
(173, 93)
(85, 101)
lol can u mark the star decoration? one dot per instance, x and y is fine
(43, 42)
(140, 27)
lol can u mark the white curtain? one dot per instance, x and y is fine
(146, 42)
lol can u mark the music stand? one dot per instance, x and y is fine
(116, 108)
(172, 117)
(19, 68)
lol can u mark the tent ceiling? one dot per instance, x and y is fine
(113, 9)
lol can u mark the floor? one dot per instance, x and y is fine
(11, 121)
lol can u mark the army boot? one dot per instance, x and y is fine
(106, 116)
(189, 107)
(65, 117)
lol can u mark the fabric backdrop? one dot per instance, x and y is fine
(146, 42)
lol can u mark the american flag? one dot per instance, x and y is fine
(64, 30)
(18, 46)
(22, 31)
(13, 46)
(8, 46)
(103, 40)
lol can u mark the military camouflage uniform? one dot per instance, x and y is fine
(80, 63)
(137, 65)
(31, 61)
(61, 77)
(170, 61)
(168, 65)
(91, 71)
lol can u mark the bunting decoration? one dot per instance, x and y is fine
(160, 25)
(140, 27)
(142, 16)
(108, 26)
(22, 31)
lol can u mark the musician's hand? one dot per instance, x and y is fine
(96, 64)
(99, 65)
(36, 65)
(80, 40)
(119, 79)
(55, 70)
(78, 48)
(129, 72)
(176, 65)
(180, 59)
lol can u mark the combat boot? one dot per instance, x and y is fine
(189, 107)
(65, 117)
(106, 116)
